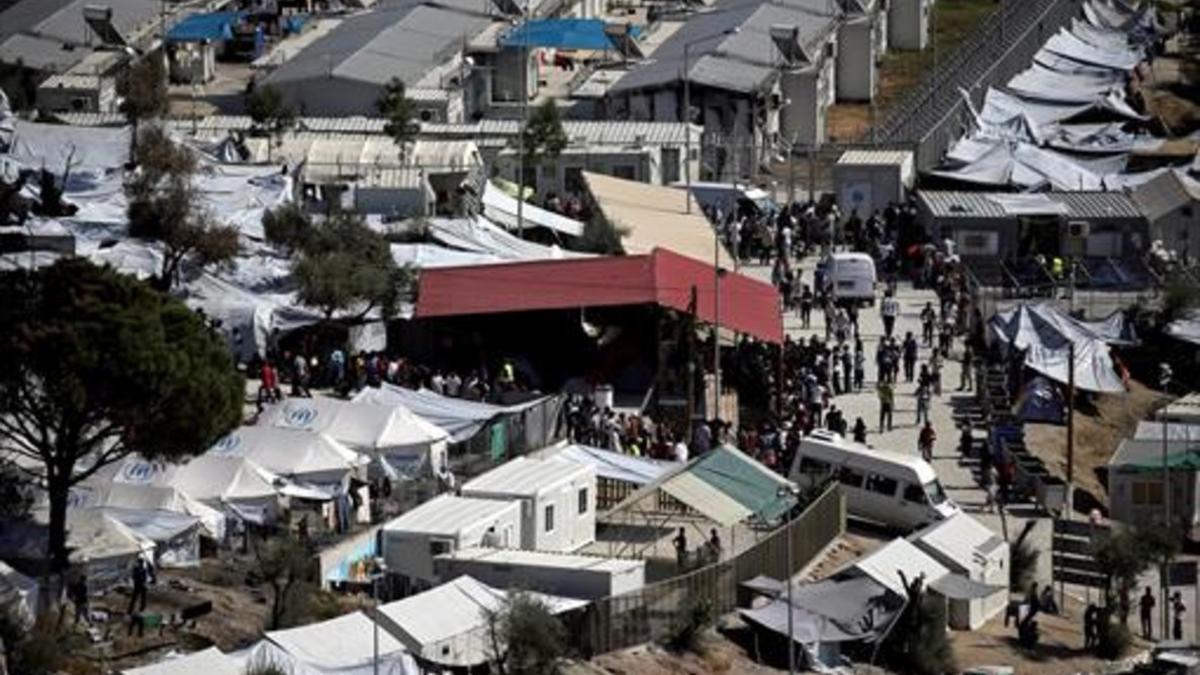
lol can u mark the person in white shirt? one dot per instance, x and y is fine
(681, 452)
(889, 309)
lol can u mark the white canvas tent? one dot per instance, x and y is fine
(342, 646)
(446, 625)
(458, 417)
(1046, 336)
(408, 444)
(210, 661)
(300, 455)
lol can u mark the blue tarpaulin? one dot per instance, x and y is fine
(562, 34)
(208, 26)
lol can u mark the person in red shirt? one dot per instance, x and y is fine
(269, 389)
(926, 440)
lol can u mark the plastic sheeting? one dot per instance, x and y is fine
(208, 662)
(618, 466)
(459, 418)
(432, 256)
(54, 146)
(1045, 334)
(479, 235)
(501, 207)
(1186, 329)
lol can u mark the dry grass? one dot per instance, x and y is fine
(1097, 436)
(900, 72)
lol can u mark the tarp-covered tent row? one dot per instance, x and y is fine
(99, 544)
(346, 645)
(460, 418)
(1070, 100)
(1045, 334)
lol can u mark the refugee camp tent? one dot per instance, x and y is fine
(446, 625)
(125, 486)
(1045, 334)
(308, 457)
(98, 543)
(1041, 401)
(458, 417)
(210, 661)
(19, 591)
(342, 646)
(235, 484)
(409, 445)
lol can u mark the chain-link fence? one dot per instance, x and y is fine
(659, 611)
(934, 115)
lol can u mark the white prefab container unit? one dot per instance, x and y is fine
(868, 180)
(558, 500)
(572, 576)
(968, 548)
(908, 24)
(443, 525)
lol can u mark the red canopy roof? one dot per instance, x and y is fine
(663, 277)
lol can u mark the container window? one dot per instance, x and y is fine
(583, 500)
(549, 518)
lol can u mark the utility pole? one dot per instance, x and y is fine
(716, 331)
(1164, 383)
(1070, 420)
(690, 326)
(524, 119)
(687, 129)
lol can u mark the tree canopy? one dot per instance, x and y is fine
(164, 206)
(544, 134)
(143, 90)
(340, 264)
(399, 111)
(525, 638)
(95, 365)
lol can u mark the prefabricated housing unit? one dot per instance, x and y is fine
(968, 548)
(572, 576)
(868, 180)
(908, 24)
(442, 525)
(557, 497)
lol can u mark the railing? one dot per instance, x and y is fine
(657, 611)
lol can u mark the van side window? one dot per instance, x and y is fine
(850, 477)
(810, 465)
(882, 484)
(914, 494)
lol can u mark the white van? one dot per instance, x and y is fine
(890, 488)
(852, 276)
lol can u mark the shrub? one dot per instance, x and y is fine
(1115, 639)
(698, 616)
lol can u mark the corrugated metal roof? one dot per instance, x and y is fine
(885, 565)
(1089, 205)
(960, 538)
(448, 515)
(876, 157)
(403, 40)
(741, 61)
(512, 556)
(1164, 194)
(39, 53)
(526, 477)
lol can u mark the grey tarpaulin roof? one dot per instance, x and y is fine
(830, 611)
(1046, 334)
(740, 62)
(967, 205)
(1166, 193)
(617, 466)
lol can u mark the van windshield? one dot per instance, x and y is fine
(854, 266)
(936, 494)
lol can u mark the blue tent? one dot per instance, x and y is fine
(1041, 401)
(563, 34)
(205, 27)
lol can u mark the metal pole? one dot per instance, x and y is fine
(524, 120)
(1070, 419)
(792, 171)
(716, 326)
(790, 621)
(812, 176)
(1165, 382)
(687, 130)
(691, 367)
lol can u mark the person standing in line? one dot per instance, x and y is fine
(886, 404)
(889, 309)
(1146, 611)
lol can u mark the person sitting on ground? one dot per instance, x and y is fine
(860, 431)
(1047, 602)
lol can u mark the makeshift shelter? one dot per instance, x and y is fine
(572, 576)
(1041, 401)
(557, 497)
(656, 217)
(346, 645)
(968, 548)
(19, 591)
(826, 615)
(617, 474)
(446, 625)
(405, 443)
(210, 661)
(563, 33)
(460, 418)
(662, 277)
(501, 208)
(307, 457)
(1135, 481)
(1045, 334)
(442, 525)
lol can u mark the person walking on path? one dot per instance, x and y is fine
(1146, 611)
(141, 575)
(922, 395)
(935, 373)
(887, 403)
(928, 319)
(926, 440)
(806, 305)
(889, 309)
(847, 369)
(860, 365)
(910, 355)
(966, 380)
(1177, 611)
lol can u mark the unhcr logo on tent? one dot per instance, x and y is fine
(80, 497)
(229, 446)
(137, 472)
(300, 417)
